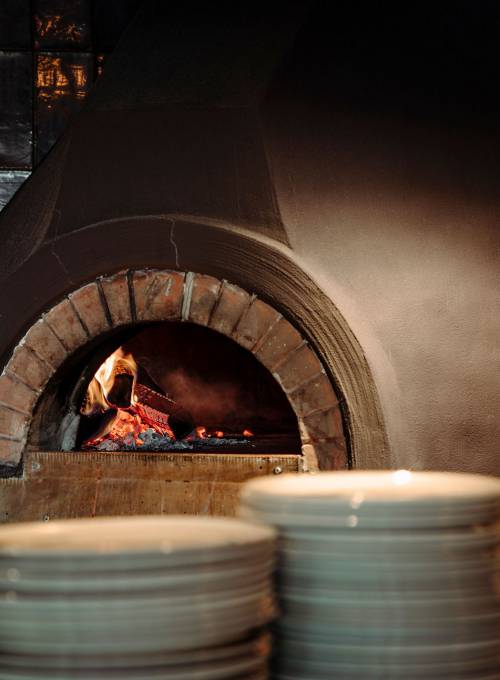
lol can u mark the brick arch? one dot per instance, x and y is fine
(143, 295)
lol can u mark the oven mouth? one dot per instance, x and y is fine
(233, 363)
(178, 387)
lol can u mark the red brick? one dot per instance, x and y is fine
(230, 306)
(29, 368)
(332, 454)
(298, 367)
(254, 323)
(66, 325)
(12, 423)
(42, 339)
(158, 295)
(324, 424)
(282, 339)
(16, 394)
(87, 302)
(116, 292)
(204, 294)
(10, 452)
(315, 395)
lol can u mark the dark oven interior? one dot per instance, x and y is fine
(167, 386)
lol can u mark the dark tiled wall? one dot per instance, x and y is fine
(50, 53)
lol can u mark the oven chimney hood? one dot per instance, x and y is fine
(166, 170)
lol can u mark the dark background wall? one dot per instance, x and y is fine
(51, 51)
(383, 135)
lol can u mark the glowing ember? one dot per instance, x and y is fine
(201, 433)
(247, 433)
(126, 427)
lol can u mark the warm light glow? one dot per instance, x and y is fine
(122, 409)
(131, 419)
(127, 425)
(55, 79)
(118, 362)
(58, 25)
(96, 399)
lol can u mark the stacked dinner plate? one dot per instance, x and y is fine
(384, 574)
(182, 598)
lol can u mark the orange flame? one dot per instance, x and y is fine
(247, 433)
(96, 398)
(118, 362)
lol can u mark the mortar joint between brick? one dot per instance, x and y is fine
(131, 295)
(315, 411)
(51, 330)
(288, 356)
(325, 409)
(17, 379)
(14, 409)
(77, 314)
(263, 338)
(33, 351)
(65, 346)
(222, 286)
(149, 288)
(244, 313)
(104, 302)
(187, 295)
(8, 438)
(305, 383)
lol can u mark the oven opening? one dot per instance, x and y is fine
(173, 387)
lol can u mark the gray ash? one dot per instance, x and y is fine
(154, 441)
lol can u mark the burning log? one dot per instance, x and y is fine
(121, 392)
(97, 425)
(115, 399)
(158, 406)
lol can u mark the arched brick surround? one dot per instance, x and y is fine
(143, 295)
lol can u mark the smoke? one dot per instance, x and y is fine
(209, 402)
(213, 378)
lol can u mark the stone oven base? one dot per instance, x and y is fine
(58, 485)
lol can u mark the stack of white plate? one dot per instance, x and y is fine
(384, 574)
(141, 598)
